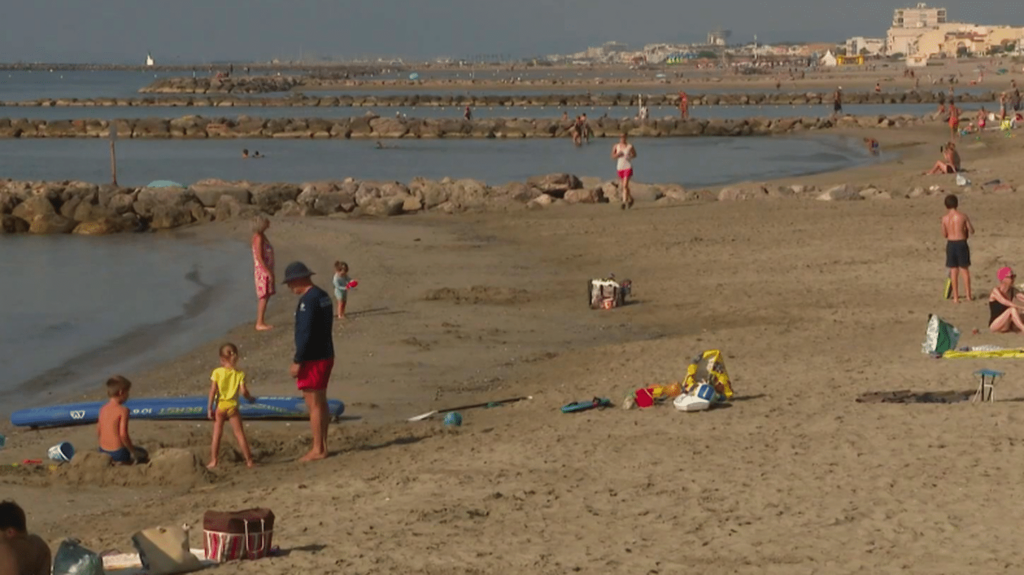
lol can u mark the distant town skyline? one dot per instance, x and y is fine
(123, 31)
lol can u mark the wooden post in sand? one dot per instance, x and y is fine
(113, 153)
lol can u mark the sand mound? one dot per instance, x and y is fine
(171, 467)
(479, 295)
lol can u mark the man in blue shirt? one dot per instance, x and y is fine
(314, 351)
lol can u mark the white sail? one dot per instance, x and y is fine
(149, 59)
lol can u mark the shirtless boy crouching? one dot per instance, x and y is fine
(113, 425)
(957, 228)
(20, 553)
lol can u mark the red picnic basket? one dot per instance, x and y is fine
(231, 535)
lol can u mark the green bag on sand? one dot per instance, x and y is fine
(940, 336)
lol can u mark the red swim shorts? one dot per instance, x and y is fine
(314, 375)
(623, 174)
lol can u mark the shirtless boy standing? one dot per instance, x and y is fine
(956, 228)
(113, 425)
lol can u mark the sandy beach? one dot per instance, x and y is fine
(812, 302)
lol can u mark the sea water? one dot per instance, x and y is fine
(78, 309)
(688, 161)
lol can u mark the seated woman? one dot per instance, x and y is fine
(951, 165)
(1005, 304)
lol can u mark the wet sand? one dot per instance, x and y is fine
(813, 303)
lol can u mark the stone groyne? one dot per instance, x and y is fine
(375, 127)
(90, 209)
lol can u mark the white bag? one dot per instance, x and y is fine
(165, 551)
(699, 400)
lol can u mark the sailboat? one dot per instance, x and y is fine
(149, 59)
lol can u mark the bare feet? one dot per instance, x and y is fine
(263, 327)
(250, 464)
(212, 464)
(313, 456)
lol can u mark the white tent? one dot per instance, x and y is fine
(829, 59)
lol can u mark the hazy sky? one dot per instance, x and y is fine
(204, 30)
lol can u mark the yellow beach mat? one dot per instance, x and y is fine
(985, 354)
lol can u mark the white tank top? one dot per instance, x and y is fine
(624, 163)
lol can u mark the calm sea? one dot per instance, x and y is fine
(689, 161)
(77, 309)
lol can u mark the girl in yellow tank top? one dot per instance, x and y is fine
(227, 382)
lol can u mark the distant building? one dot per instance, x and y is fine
(869, 46)
(919, 17)
(908, 24)
(719, 37)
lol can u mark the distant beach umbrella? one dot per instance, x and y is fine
(414, 76)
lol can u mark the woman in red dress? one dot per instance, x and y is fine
(263, 260)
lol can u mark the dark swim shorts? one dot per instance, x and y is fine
(958, 255)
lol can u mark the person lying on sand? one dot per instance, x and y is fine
(1004, 304)
(950, 164)
(20, 553)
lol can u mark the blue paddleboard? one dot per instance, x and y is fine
(168, 408)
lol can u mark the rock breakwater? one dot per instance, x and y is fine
(90, 209)
(254, 85)
(372, 126)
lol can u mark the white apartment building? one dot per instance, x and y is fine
(870, 46)
(919, 17)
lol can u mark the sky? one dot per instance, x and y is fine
(196, 31)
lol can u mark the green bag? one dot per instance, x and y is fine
(940, 336)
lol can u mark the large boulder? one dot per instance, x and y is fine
(101, 227)
(333, 202)
(555, 184)
(844, 192)
(167, 217)
(209, 191)
(12, 225)
(148, 199)
(270, 197)
(468, 193)
(33, 207)
(518, 192)
(381, 207)
(388, 128)
(51, 224)
(432, 193)
(585, 196)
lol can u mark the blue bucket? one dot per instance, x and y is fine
(62, 452)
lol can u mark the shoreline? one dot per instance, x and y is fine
(140, 347)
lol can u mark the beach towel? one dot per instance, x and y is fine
(709, 368)
(576, 406)
(940, 336)
(984, 354)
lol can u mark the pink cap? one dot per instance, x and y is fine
(1005, 273)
